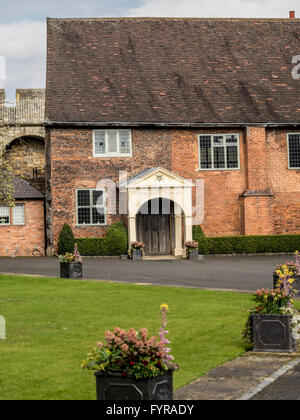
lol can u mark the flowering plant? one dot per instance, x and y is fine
(132, 353)
(278, 301)
(71, 258)
(291, 266)
(191, 245)
(137, 246)
(272, 302)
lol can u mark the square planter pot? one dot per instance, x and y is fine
(296, 284)
(273, 333)
(193, 255)
(137, 255)
(116, 387)
(71, 270)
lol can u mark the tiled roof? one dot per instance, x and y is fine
(23, 190)
(167, 70)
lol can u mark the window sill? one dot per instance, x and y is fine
(217, 170)
(90, 226)
(110, 156)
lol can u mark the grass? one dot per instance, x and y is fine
(52, 323)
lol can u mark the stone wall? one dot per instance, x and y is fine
(23, 134)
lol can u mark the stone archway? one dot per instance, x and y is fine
(26, 157)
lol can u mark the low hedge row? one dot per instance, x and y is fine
(114, 244)
(251, 244)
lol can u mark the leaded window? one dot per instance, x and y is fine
(91, 207)
(294, 151)
(19, 215)
(219, 151)
(112, 143)
(4, 216)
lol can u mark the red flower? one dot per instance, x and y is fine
(124, 374)
(132, 363)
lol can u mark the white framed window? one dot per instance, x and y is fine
(4, 216)
(112, 143)
(90, 207)
(19, 215)
(294, 150)
(219, 152)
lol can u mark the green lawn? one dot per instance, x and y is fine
(52, 323)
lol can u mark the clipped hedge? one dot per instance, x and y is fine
(66, 241)
(115, 243)
(199, 236)
(92, 247)
(253, 244)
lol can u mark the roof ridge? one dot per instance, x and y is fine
(97, 19)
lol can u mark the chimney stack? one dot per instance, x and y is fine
(292, 14)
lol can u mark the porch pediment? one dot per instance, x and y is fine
(157, 177)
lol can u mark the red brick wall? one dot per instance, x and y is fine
(222, 188)
(21, 240)
(284, 183)
(270, 205)
(73, 167)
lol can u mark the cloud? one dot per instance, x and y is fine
(216, 8)
(23, 44)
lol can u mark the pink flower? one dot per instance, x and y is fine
(144, 333)
(100, 345)
(117, 330)
(124, 348)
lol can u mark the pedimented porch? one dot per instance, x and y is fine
(159, 210)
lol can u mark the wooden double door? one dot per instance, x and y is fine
(155, 227)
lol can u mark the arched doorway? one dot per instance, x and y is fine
(156, 226)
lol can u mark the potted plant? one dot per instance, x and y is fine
(192, 248)
(136, 250)
(71, 265)
(294, 269)
(133, 366)
(271, 322)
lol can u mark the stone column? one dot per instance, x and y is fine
(132, 228)
(188, 228)
(178, 236)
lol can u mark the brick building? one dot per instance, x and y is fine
(22, 145)
(22, 227)
(176, 103)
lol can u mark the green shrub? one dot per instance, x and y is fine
(115, 243)
(117, 239)
(199, 236)
(92, 247)
(66, 241)
(253, 244)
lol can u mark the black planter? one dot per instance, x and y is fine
(71, 270)
(296, 284)
(273, 333)
(116, 387)
(193, 255)
(137, 255)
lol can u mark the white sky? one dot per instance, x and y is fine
(23, 30)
